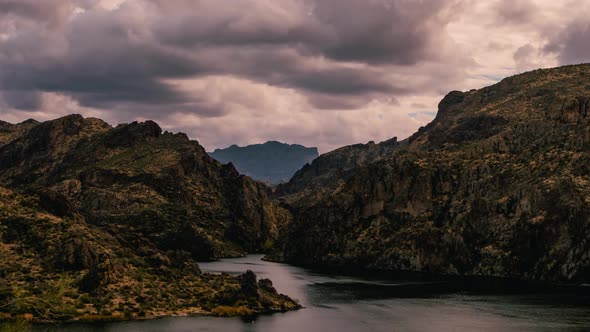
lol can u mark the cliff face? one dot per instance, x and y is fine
(56, 268)
(116, 215)
(272, 162)
(496, 185)
(332, 168)
(162, 186)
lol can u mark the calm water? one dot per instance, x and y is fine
(343, 304)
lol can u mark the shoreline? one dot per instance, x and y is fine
(100, 319)
(469, 282)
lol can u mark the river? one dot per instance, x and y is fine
(342, 304)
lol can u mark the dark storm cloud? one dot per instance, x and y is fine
(232, 27)
(43, 11)
(275, 46)
(339, 81)
(285, 67)
(223, 67)
(340, 102)
(373, 31)
(572, 45)
(523, 56)
(337, 53)
(22, 100)
(103, 63)
(26, 8)
(518, 12)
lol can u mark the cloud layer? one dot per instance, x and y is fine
(318, 72)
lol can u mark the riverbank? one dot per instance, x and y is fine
(445, 283)
(204, 294)
(348, 303)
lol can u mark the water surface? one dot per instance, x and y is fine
(343, 303)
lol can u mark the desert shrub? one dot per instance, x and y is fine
(19, 325)
(268, 245)
(225, 311)
(47, 303)
(85, 299)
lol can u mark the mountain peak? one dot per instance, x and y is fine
(271, 162)
(29, 122)
(129, 134)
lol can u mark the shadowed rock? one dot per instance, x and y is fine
(496, 185)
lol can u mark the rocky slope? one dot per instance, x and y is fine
(330, 169)
(10, 132)
(496, 185)
(272, 162)
(134, 177)
(113, 220)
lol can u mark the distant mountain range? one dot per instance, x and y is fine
(272, 162)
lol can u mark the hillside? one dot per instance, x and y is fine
(497, 185)
(272, 162)
(111, 216)
(330, 169)
(10, 132)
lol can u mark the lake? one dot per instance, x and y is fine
(344, 303)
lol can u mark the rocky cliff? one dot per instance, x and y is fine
(136, 177)
(496, 185)
(118, 217)
(332, 168)
(272, 162)
(10, 132)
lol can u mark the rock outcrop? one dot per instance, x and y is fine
(330, 169)
(497, 185)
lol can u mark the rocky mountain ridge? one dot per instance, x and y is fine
(83, 163)
(496, 185)
(115, 220)
(10, 132)
(330, 169)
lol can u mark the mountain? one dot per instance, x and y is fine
(110, 222)
(330, 169)
(9, 131)
(497, 185)
(272, 162)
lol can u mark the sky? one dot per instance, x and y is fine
(322, 73)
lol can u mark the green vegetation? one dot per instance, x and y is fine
(17, 325)
(51, 304)
(224, 311)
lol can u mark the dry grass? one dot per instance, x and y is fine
(225, 311)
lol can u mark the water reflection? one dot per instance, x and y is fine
(342, 303)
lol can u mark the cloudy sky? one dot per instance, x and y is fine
(322, 73)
